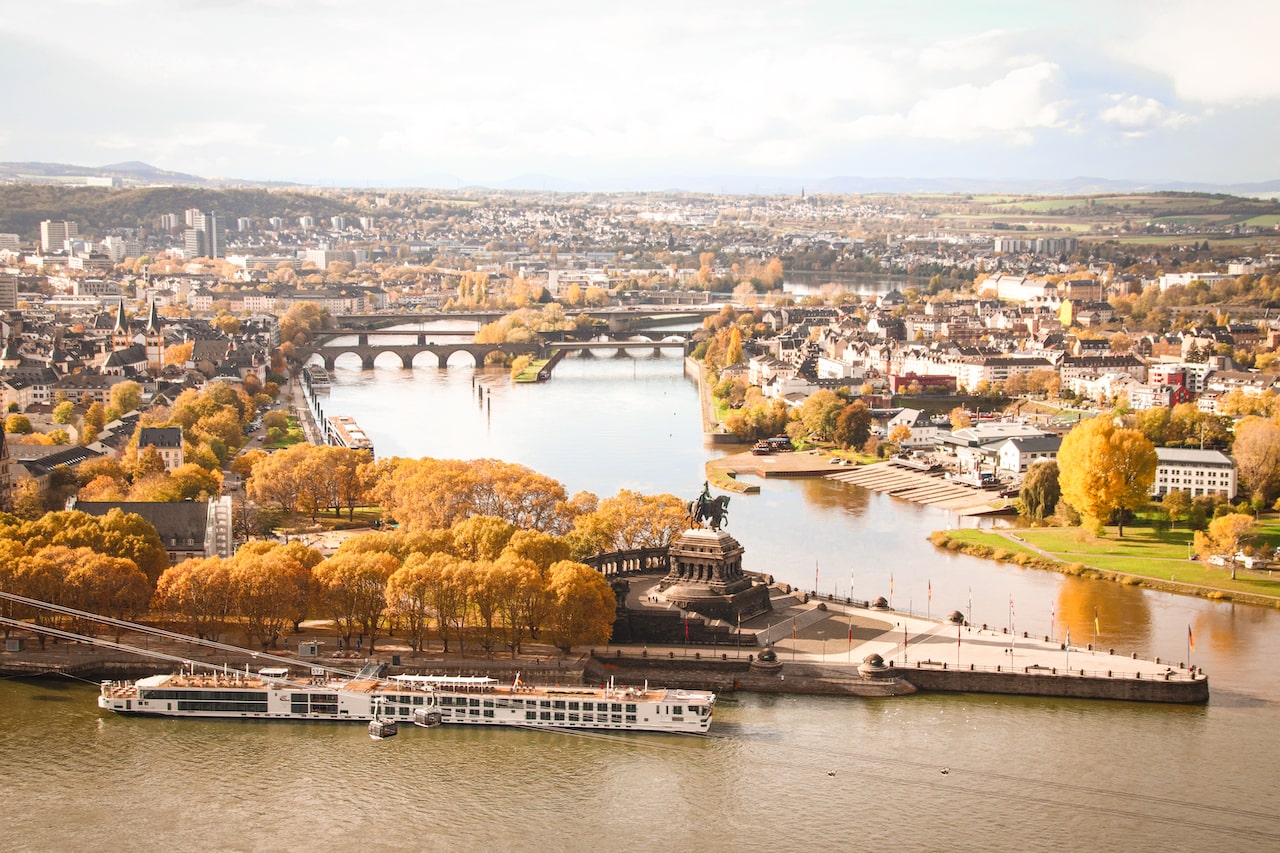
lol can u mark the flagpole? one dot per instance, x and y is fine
(851, 633)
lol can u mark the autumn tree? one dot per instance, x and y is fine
(1226, 536)
(627, 521)
(199, 593)
(541, 549)
(481, 537)
(267, 588)
(1257, 453)
(111, 586)
(95, 416)
(584, 606)
(353, 589)
(17, 425)
(853, 425)
(960, 418)
(818, 416)
(1177, 503)
(409, 600)
(294, 587)
(520, 593)
(1104, 469)
(733, 352)
(125, 396)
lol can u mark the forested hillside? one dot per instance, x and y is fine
(95, 209)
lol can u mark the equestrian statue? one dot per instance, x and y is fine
(714, 511)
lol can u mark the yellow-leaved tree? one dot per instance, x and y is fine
(1103, 468)
(1225, 536)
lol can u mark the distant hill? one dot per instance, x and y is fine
(96, 209)
(130, 173)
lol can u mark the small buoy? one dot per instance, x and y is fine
(945, 771)
(831, 772)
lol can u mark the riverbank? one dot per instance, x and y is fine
(1014, 547)
(807, 645)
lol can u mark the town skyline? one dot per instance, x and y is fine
(570, 96)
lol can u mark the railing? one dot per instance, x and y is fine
(1169, 674)
(634, 562)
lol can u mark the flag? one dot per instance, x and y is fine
(1068, 636)
(1011, 605)
(1096, 629)
(686, 628)
(1191, 640)
(891, 584)
(517, 682)
(930, 591)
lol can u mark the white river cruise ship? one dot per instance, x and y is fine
(270, 694)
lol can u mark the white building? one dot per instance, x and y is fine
(1016, 455)
(1199, 472)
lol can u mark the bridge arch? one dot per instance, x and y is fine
(425, 358)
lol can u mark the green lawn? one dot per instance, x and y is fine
(1144, 552)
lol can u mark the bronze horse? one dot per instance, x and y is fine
(713, 511)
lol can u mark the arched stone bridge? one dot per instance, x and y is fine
(635, 562)
(368, 354)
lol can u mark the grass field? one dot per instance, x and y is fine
(1143, 552)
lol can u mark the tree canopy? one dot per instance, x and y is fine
(1104, 468)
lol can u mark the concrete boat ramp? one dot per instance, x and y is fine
(917, 486)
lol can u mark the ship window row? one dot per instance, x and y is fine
(241, 707)
(404, 700)
(520, 704)
(205, 695)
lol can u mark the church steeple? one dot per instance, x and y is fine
(121, 336)
(154, 339)
(153, 320)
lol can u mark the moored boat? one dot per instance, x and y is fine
(426, 700)
(471, 700)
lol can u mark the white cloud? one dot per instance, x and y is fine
(1137, 115)
(1211, 55)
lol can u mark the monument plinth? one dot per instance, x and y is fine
(706, 577)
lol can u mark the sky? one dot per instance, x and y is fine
(613, 95)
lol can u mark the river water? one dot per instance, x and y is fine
(1023, 774)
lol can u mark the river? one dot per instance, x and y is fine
(1023, 774)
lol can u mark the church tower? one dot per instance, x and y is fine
(154, 336)
(121, 337)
